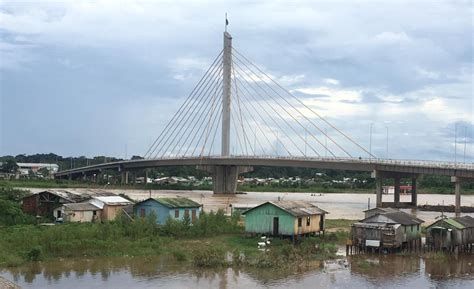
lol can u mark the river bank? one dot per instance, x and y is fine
(213, 241)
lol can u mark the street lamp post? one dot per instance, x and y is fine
(386, 153)
(370, 140)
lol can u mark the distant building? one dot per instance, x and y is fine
(285, 218)
(44, 203)
(387, 230)
(78, 212)
(449, 233)
(25, 168)
(164, 208)
(111, 206)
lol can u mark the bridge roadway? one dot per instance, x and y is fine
(225, 171)
(460, 170)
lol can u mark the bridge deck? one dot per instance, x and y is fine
(462, 170)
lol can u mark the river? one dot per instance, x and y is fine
(369, 271)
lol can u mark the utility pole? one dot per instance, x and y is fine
(370, 140)
(465, 138)
(386, 153)
(226, 100)
(455, 143)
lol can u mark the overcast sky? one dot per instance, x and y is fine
(96, 77)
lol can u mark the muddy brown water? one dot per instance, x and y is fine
(369, 271)
(339, 206)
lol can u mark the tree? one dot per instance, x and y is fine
(9, 166)
(44, 172)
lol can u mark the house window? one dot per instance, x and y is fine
(193, 214)
(300, 222)
(94, 213)
(176, 213)
(142, 212)
(308, 221)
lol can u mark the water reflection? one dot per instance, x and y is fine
(370, 271)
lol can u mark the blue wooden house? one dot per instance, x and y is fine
(164, 208)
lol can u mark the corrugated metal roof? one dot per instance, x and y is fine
(397, 217)
(466, 221)
(295, 208)
(69, 196)
(454, 223)
(113, 200)
(177, 202)
(81, 207)
(386, 210)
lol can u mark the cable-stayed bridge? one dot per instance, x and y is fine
(238, 116)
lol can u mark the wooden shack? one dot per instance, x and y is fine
(392, 230)
(79, 212)
(451, 234)
(43, 203)
(285, 218)
(165, 208)
(111, 206)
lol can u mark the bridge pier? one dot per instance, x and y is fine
(124, 177)
(396, 191)
(379, 178)
(224, 178)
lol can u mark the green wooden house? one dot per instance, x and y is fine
(449, 233)
(284, 218)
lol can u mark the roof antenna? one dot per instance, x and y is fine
(226, 22)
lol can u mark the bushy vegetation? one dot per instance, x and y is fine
(10, 209)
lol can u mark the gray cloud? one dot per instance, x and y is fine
(82, 78)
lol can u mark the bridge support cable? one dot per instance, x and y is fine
(183, 121)
(212, 117)
(183, 107)
(240, 110)
(214, 136)
(247, 97)
(215, 96)
(257, 123)
(260, 79)
(256, 81)
(241, 76)
(201, 130)
(306, 106)
(172, 126)
(256, 126)
(242, 124)
(192, 119)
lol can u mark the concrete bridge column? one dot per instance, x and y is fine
(224, 178)
(378, 191)
(124, 177)
(457, 193)
(396, 193)
(414, 194)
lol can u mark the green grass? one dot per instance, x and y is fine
(338, 223)
(25, 243)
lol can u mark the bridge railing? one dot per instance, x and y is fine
(378, 161)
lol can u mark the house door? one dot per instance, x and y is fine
(58, 214)
(275, 226)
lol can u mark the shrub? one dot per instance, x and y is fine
(209, 257)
